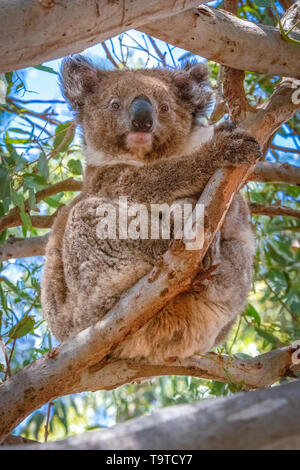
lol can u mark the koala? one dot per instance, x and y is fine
(143, 139)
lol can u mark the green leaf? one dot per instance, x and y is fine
(75, 166)
(242, 356)
(43, 166)
(60, 136)
(252, 312)
(19, 131)
(11, 285)
(25, 219)
(267, 336)
(34, 181)
(263, 3)
(17, 199)
(22, 328)
(218, 388)
(54, 201)
(45, 68)
(8, 77)
(4, 183)
(31, 199)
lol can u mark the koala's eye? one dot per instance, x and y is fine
(114, 104)
(164, 108)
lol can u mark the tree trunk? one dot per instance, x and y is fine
(264, 419)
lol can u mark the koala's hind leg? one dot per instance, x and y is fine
(232, 251)
(194, 322)
(54, 290)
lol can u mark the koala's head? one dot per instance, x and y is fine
(142, 114)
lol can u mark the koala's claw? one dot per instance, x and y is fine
(226, 126)
(238, 145)
(207, 275)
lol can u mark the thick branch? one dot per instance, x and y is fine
(259, 372)
(235, 95)
(264, 419)
(226, 39)
(17, 441)
(233, 82)
(40, 30)
(273, 211)
(266, 119)
(23, 247)
(266, 172)
(286, 3)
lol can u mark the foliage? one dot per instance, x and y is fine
(40, 147)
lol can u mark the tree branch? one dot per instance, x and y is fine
(13, 219)
(263, 419)
(269, 117)
(284, 149)
(23, 247)
(17, 441)
(34, 34)
(266, 172)
(108, 55)
(224, 38)
(233, 81)
(273, 211)
(258, 372)
(286, 3)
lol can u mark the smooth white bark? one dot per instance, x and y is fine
(260, 420)
(226, 39)
(34, 31)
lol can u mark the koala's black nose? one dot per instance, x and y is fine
(141, 115)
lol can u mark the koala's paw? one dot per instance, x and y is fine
(226, 126)
(237, 145)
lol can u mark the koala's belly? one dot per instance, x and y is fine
(96, 270)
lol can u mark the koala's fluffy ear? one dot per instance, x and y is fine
(193, 87)
(79, 77)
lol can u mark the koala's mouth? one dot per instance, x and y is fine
(139, 141)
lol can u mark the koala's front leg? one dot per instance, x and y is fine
(166, 180)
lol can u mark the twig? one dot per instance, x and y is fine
(273, 211)
(158, 51)
(50, 404)
(285, 149)
(109, 56)
(8, 370)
